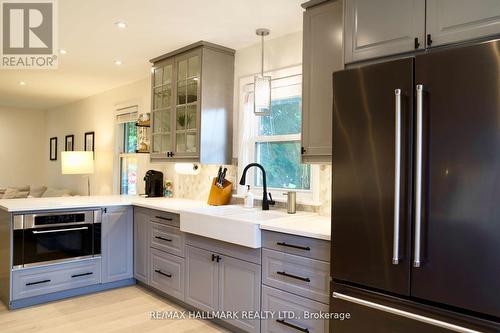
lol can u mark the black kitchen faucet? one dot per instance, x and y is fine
(265, 202)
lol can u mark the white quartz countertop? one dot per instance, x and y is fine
(37, 204)
(301, 224)
(313, 226)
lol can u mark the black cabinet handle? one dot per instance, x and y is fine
(294, 276)
(302, 150)
(282, 322)
(38, 282)
(417, 44)
(429, 40)
(164, 218)
(218, 258)
(163, 239)
(164, 274)
(305, 248)
(213, 257)
(83, 274)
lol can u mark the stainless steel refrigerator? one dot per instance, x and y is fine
(416, 193)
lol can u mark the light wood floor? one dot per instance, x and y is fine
(119, 310)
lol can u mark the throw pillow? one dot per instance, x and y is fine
(14, 193)
(53, 192)
(37, 191)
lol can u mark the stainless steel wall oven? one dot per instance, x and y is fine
(41, 239)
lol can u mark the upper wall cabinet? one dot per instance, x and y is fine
(192, 105)
(378, 28)
(322, 55)
(385, 27)
(451, 21)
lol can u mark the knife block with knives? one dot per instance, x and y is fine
(221, 190)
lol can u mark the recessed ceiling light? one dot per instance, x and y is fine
(62, 51)
(118, 62)
(22, 83)
(121, 25)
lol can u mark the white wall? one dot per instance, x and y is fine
(23, 151)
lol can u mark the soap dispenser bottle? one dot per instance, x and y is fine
(249, 198)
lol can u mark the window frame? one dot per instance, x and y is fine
(248, 137)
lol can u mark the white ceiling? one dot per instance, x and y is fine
(92, 40)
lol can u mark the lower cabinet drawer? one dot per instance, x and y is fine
(302, 276)
(277, 301)
(167, 273)
(37, 281)
(167, 238)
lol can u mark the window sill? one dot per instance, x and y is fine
(284, 200)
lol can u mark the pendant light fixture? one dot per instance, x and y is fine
(262, 84)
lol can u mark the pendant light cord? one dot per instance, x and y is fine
(262, 57)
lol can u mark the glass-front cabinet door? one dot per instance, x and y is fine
(187, 104)
(162, 135)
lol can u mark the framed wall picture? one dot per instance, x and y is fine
(53, 149)
(69, 143)
(89, 141)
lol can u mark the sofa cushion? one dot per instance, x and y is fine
(37, 191)
(15, 193)
(2, 191)
(53, 192)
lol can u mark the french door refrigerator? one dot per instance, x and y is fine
(416, 193)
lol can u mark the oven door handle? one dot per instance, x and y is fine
(58, 230)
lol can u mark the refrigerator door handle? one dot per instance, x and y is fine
(418, 176)
(397, 175)
(402, 313)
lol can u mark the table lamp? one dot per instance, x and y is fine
(78, 163)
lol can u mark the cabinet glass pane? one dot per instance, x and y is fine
(165, 143)
(181, 120)
(191, 117)
(181, 93)
(167, 74)
(157, 98)
(180, 142)
(158, 76)
(156, 143)
(167, 95)
(165, 121)
(193, 66)
(192, 90)
(156, 122)
(182, 70)
(191, 142)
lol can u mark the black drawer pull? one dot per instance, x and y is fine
(164, 274)
(294, 276)
(282, 322)
(83, 274)
(38, 282)
(305, 248)
(164, 218)
(163, 239)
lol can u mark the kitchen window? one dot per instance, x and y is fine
(128, 160)
(275, 140)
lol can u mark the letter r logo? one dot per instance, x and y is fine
(27, 27)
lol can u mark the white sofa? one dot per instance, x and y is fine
(29, 191)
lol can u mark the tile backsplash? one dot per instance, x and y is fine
(197, 187)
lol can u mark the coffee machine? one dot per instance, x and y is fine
(154, 183)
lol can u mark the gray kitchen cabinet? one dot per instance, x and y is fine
(202, 279)
(117, 244)
(451, 21)
(322, 55)
(217, 282)
(379, 28)
(239, 290)
(167, 273)
(141, 245)
(192, 104)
